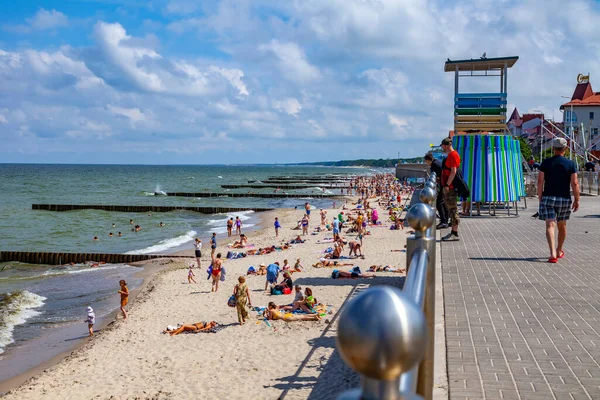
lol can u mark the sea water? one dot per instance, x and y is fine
(37, 299)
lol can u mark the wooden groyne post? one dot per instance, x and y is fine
(48, 258)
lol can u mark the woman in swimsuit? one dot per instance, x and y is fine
(273, 313)
(217, 264)
(305, 225)
(197, 327)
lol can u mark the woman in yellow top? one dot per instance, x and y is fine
(272, 312)
(124, 292)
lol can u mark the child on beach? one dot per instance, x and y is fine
(238, 226)
(242, 296)
(124, 292)
(198, 251)
(277, 226)
(298, 266)
(191, 274)
(91, 320)
(286, 265)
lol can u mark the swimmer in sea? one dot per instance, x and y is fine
(161, 224)
(114, 226)
(110, 234)
(95, 238)
(120, 234)
(130, 222)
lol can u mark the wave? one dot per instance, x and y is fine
(56, 271)
(166, 244)
(148, 193)
(16, 308)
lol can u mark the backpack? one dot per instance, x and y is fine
(460, 186)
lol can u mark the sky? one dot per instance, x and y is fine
(234, 82)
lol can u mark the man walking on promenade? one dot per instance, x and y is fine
(557, 176)
(448, 174)
(436, 166)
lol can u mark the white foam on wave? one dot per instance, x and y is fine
(166, 244)
(148, 194)
(16, 308)
(83, 269)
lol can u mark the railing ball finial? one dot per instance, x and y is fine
(420, 217)
(427, 195)
(430, 184)
(381, 333)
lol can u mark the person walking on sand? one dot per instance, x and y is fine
(448, 174)
(191, 274)
(557, 176)
(242, 296)
(213, 244)
(217, 265)
(124, 292)
(91, 320)
(238, 226)
(277, 226)
(198, 251)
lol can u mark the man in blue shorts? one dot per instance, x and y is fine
(272, 275)
(557, 176)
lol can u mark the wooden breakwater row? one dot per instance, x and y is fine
(77, 258)
(144, 209)
(280, 186)
(263, 195)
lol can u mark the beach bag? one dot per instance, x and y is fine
(232, 301)
(251, 271)
(461, 187)
(222, 274)
(209, 271)
(287, 290)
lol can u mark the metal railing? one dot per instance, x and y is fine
(387, 335)
(589, 182)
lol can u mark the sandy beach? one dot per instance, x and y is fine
(132, 359)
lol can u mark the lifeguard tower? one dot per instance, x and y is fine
(491, 159)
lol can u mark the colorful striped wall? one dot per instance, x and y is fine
(491, 165)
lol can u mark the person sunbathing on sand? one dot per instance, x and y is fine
(336, 274)
(337, 252)
(387, 268)
(241, 243)
(273, 313)
(323, 262)
(197, 327)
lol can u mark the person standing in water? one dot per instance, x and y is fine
(124, 292)
(229, 226)
(91, 320)
(238, 226)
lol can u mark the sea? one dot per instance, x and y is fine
(44, 306)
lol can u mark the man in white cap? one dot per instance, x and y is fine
(558, 175)
(91, 320)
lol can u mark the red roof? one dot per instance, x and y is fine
(529, 117)
(583, 96)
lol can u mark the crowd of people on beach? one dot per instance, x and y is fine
(349, 229)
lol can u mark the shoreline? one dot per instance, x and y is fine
(164, 277)
(149, 270)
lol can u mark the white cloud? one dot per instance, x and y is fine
(292, 61)
(290, 106)
(234, 76)
(399, 124)
(3, 119)
(134, 114)
(42, 20)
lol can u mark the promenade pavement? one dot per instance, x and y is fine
(518, 327)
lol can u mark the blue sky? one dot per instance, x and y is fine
(197, 82)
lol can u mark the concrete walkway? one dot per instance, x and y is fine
(516, 326)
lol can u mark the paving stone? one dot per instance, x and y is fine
(515, 325)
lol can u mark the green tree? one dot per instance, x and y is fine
(525, 149)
